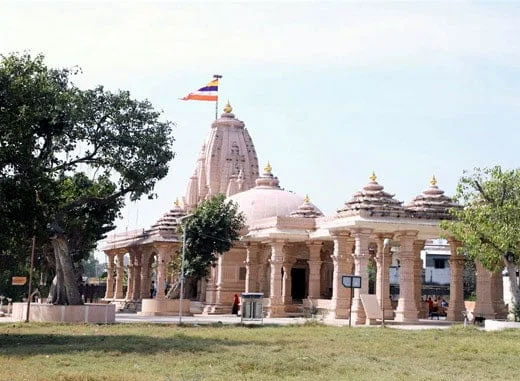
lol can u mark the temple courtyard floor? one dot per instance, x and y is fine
(311, 351)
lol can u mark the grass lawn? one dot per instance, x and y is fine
(312, 352)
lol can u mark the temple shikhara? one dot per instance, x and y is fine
(290, 251)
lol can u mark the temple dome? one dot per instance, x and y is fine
(267, 199)
(306, 210)
(168, 223)
(432, 203)
(372, 199)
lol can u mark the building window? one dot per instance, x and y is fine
(439, 263)
(242, 273)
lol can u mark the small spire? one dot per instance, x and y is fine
(373, 177)
(433, 181)
(306, 199)
(268, 168)
(176, 203)
(228, 108)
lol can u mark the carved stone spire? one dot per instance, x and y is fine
(372, 199)
(228, 150)
(432, 203)
(306, 210)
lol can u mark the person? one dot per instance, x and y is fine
(444, 303)
(152, 290)
(236, 304)
(430, 305)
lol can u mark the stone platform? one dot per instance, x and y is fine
(87, 313)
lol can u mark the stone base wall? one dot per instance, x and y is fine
(87, 313)
(154, 307)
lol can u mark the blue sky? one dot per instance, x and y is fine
(328, 91)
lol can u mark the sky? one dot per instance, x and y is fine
(329, 91)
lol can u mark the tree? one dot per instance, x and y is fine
(489, 224)
(68, 159)
(211, 230)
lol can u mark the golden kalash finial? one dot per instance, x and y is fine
(306, 199)
(268, 168)
(433, 181)
(228, 108)
(176, 203)
(373, 177)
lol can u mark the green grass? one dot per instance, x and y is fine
(311, 352)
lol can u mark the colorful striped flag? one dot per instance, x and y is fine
(206, 93)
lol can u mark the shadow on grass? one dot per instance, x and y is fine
(46, 344)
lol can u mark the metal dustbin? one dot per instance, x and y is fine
(252, 306)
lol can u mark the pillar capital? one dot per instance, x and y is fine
(361, 232)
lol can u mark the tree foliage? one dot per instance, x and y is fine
(489, 224)
(68, 158)
(212, 229)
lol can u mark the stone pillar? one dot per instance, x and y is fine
(145, 275)
(361, 257)
(342, 260)
(484, 303)
(130, 277)
(497, 295)
(456, 306)
(276, 307)
(383, 283)
(287, 282)
(136, 294)
(252, 267)
(162, 262)
(406, 307)
(418, 246)
(314, 263)
(261, 275)
(109, 294)
(202, 295)
(120, 273)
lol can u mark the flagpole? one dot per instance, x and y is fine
(217, 77)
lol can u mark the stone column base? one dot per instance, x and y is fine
(358, 312)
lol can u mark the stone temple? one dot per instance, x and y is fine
(290, 251)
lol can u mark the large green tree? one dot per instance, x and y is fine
(489, 224)
(211, 230)
(68, 159)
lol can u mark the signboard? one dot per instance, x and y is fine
(18, 280)
(351, 281)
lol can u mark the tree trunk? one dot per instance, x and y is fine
(513, 282)
(66, 279)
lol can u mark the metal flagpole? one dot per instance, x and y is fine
(217, 77)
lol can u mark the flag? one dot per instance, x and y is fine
(206, 93)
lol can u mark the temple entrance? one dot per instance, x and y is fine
(298, 283)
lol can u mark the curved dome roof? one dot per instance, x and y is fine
(267, 199)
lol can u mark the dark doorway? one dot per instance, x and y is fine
(298, 284)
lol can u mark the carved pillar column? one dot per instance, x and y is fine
(361, 257)
(276, 307)
(109, 294)
(252, 267)
(314, 263)
(497, 295)
(456, 306)
(418, 246)
(136, 293)
(162, 262)
(383, 285)
(287, 281)
(130, 277)
(145, 275)
(342, 260)
(407, 308)
(120, 273)
(484, 303)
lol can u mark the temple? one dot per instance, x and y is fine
(290, 251)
